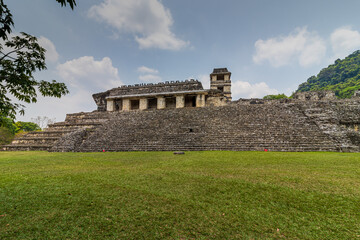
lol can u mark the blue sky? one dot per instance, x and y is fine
(269, 46)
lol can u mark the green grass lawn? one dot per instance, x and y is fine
(199, 195)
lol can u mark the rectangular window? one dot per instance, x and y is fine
(220, 77)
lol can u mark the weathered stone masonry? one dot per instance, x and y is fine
(175, 94)
(171, 116)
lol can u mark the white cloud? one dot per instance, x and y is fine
(306, 47)
(144, 69)
(77, 101)
(205, 80)
(51, 53)
(84, 76)
(344, 41)
(85, 72)
(148, 20)
(248, 90)
(149, 75)
(150, 78)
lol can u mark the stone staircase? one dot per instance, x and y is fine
(46, 139)
(240, 126)
(234, 127)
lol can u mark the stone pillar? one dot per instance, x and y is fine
(143, 104)
(227, 89)
(126, 104)
(161, 104)
(213, 82)
(200, 100)
(180, 101)
(110, 105)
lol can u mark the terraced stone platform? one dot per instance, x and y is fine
(245, 125)
(45, 140)
(234, 127)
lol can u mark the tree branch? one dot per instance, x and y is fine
(5, 55)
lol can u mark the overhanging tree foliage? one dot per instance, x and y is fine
(20, 57)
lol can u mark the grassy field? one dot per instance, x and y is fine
(199, 195)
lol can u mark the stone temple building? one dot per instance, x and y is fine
(174, 94)
(182, 115)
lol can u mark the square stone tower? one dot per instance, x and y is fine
(220, 80)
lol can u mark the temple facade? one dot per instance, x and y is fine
(166, 95)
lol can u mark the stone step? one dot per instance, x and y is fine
(52, 131)
(35, 137)
(34, 141)
(76, 125)
(291, 149)
(252, 145)
(25, 147)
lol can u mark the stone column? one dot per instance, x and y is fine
(180, 101)
(143, 104)
(161, 104)
(110, 105)
(126, 104)
(200, 100)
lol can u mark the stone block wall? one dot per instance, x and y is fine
(172, 86)
(315, 95)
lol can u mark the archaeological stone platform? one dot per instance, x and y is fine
(181, 115)
(243, 125)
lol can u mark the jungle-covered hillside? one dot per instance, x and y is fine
(342, 77)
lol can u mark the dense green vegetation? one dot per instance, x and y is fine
(342, 77)
(278, 96)
(8, 129)
(26, 127)
(199, 195)
(6, 136)
(8, 123)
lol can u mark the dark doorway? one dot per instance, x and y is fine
(152, 103)
(170, 102)
(134, 104)
(190, 101)
(118, 104)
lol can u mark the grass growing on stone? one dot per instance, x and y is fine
(199, 195)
